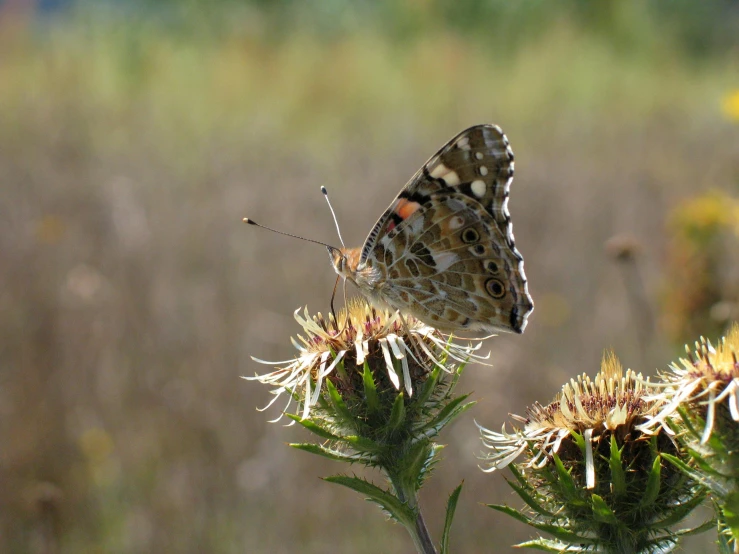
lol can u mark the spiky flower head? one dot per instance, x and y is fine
(701, 403)
(399, 352)
(376, 388)
(372, 374)
(707, 382)
(590, 477)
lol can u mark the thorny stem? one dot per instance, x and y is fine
(419, 532)
(425, 544)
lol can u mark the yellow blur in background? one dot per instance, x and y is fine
(134, 136)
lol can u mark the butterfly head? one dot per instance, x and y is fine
(345, 261)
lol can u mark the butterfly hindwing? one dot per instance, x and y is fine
(445, 246)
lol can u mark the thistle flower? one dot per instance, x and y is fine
(591, 478)
(399, 352)
(701, 400)
(377, 388)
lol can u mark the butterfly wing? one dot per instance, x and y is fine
(445, 245)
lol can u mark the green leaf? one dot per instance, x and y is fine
(682, 466)
(579, 441)
(313, 428)
(601, 511)
(370, 390)
(515, 514)
(451, 506)
(530, 501)
(428, 386)
(556, 530)
(618, 476)
(724, 542)
(398, 510)
(397, 416)
(567, 484)
(562, 534)
(446, 415)
(653, 482)
(704, 465)
(363, 444)
(730, 513)
(702, 528)
(548, 545)
(340, 409)
(416, 459)
(328, 453)
(679, 512)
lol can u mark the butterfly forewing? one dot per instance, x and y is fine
(444, 250)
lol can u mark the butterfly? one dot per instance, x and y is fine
(443, 252)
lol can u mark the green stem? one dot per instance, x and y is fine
(418, 531)
(425, 544)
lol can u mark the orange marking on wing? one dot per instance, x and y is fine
(405, 209)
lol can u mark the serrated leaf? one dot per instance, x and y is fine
(518, 475)
(337, 403)
(530, 501)
(417, 457)
(370, 390)
(511, 512)
(618, 476)
(548, 545)
(579, 441)
(363, 444)
(313, 427)
(730, 513)
(328, 453)
(397, 415)
(400, 511)
(562, 534)
(555, 530)
(679, 512)
(429, 386)
(451, 506)
(702, 528)
(446, 415)
(601, 511)
(565, 480)
(704, 465)
(651, 491)
(682, 466)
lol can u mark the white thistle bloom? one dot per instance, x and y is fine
(707, 379)
(361, 334)
(590, 407)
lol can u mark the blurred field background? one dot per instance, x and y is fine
(134, 136)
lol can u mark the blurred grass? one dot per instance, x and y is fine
(131, 144)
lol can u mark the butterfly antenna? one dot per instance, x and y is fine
(336, 222)
(252, 222)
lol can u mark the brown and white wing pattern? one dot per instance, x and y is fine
(444, 250)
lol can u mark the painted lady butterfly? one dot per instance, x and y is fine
(443, 251)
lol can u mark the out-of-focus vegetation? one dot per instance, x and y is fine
(134, 138)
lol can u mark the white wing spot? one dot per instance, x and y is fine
(451, 178)
(444, 260)
(479, 155)
(447, 175)
(483, 170)
(478, 188)
(456, 222)
(439, 171)
(464, 143)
